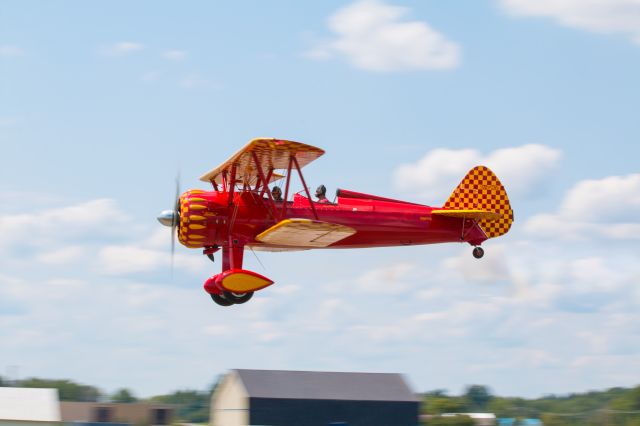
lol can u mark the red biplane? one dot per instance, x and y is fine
(242, 212)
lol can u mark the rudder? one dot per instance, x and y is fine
(481, 189)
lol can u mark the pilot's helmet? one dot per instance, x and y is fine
(321, 190)
(276, 190)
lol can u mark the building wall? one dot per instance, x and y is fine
(296, 412)
(134, 413)
(230, 403)
(26, 423)
(76, 411)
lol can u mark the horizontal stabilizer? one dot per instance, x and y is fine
(305, 233)
(469, 214)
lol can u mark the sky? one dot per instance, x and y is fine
(103, 104)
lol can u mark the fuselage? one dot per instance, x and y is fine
(210, 219)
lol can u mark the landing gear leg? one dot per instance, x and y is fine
(478, 252)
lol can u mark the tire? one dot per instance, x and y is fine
(238, 298)
(220, 300)
(478, 252)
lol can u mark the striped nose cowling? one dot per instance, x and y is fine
(194, 212)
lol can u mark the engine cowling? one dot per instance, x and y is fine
(199, 219)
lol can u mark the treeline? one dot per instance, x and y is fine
(613, 407)
(192, 406)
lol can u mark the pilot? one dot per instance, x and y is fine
(276, 193)
(321, 194)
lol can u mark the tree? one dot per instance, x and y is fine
(442, 405)
(123, 395)
(67, 390)
(629, 401)
(193, 406)
(478, 397)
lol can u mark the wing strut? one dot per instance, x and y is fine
(304, 185)
(265, 183)
(286, 189)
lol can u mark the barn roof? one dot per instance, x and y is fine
(29, 404)
(326, 385)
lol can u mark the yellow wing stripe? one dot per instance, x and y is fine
(305, 233)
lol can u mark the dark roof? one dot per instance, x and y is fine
(326, 385)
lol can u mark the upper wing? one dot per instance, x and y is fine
(305, 233)
(271, 153)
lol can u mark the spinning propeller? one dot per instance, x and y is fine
(171, 218)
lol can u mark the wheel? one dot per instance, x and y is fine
(237, 298)
(220, 300)
(478, 252)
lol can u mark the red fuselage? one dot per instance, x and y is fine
(379, 222)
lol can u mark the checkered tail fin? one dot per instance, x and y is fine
(482, 190)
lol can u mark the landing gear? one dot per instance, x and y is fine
(238, 298)
(220, 300)
(478, 252)
(234, 286)
(228, 298)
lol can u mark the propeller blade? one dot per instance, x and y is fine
(175, 220)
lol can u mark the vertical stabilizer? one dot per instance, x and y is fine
(482, 190)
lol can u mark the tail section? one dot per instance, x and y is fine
(482, 190)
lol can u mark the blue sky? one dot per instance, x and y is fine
(102, 104)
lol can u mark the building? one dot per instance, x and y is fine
(135, 413)
(310, 398)
(29, 407)
(479, 419)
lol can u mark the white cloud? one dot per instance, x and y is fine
(55, 226)
(391, 279)
(600, 16)
(64, 255)
(374, 36)
(174, 55)
(492, 268)
(436, 174)
(122, 48)
(605, 208)
(10, 51)
(126, 259)
(608, 199)
(133, 258)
